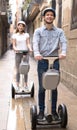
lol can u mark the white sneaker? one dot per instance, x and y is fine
(17, 88)
(26, 88)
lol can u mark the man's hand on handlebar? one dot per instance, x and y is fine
(62, 56)
(38, 57)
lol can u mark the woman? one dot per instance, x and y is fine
(21, 41)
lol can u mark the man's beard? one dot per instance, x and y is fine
(48, 22)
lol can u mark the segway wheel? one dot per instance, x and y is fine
(62, 111)
(33, 116)
(13, 92)
(32, 91)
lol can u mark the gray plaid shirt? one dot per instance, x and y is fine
(47, 42)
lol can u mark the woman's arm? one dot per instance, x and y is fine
(14, 45)
(28, 44)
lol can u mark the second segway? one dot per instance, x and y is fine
(23, 69)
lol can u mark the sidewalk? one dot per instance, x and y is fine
(23, 104)
(6, 69)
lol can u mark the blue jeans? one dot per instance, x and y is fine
(42, 67)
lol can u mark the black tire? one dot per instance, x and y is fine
(33, 116)
(62, 111)
(13, 91)
(32, 91)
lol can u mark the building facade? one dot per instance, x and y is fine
(3, 26)
(67, 19)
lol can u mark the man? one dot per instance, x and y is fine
(46, 42)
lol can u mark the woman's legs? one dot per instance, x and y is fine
(18, 58)
(26, 59)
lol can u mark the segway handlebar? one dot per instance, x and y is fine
(24, 52)
(51, 57)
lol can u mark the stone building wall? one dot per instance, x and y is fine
(68, 66)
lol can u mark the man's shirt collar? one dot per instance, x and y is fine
(53, 28)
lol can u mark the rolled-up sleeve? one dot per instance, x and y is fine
(36, 42)
(63, 43)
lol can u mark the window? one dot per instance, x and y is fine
(59, 24)
(74, 14)
(54, 4)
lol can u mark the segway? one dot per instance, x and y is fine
(50, 81)
(23, 69)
